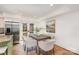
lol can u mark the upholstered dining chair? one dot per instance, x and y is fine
(29, 44)
(46, 47)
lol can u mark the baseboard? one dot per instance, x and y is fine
(68, 48)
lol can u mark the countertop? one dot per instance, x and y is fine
(4, 38)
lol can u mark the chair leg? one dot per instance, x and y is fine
(39, 51)
(36, 49)
(24, 47)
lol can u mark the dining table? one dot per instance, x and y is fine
(38, 38)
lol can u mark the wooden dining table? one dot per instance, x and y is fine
(38, 38)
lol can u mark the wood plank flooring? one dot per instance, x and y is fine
(19, 50)
(61, 51)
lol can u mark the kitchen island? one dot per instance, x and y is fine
(7, 41)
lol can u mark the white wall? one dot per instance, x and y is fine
(2, 21)
(67, 31)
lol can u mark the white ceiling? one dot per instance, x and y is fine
(37, 10)
(29, 10)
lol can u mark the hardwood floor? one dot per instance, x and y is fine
(61, 51)
(19, 50)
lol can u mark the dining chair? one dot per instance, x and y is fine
(46, 47)
(29, 44)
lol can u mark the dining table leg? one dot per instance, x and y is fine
(37, 48)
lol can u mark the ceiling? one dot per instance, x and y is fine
(29, 10)
(37, 10)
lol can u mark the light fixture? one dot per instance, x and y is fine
(51, 4)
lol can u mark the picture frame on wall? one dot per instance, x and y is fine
(24, 27)
(50, 26)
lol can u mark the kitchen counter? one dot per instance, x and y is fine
(4, 39)
(7, 41)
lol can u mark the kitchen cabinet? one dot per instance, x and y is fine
(7, 41)
(10, 45)
(2, 23)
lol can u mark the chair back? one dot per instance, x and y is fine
(46, 45)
